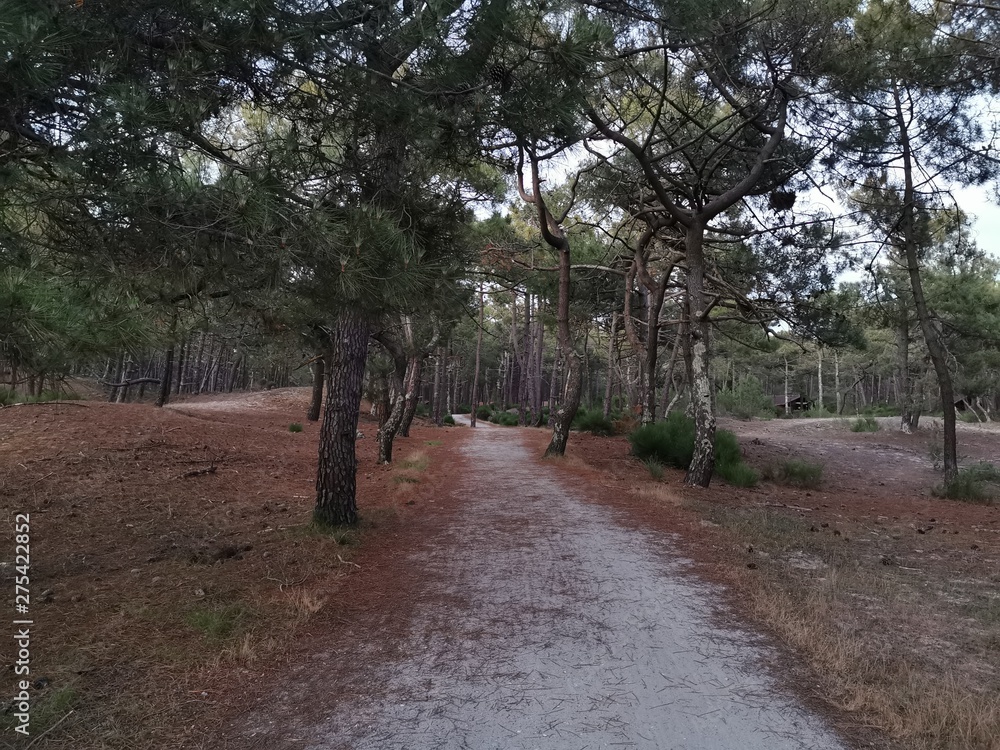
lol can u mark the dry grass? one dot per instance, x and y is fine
(864, 626)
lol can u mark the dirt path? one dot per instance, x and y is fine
(539, 621)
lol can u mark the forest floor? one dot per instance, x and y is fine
(180, 595)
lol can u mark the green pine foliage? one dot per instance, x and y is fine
(671, 443)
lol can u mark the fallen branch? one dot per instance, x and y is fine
(137, 381)
(197, 472)
(48, 731)
(785, 505)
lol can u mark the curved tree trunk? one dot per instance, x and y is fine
(168, 368)
(415, 369)
(479, 347)
(397, 398)
(319, 375)
(336, 503)
(702, 466)
(931, 338)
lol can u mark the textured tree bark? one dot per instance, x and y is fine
(525, 361)
(436, 397)
(319, 375)
(479, 348)
(611, 364)
(909, 416)
(536, 403)
(702, 466)
(414, 369)
(168, 369)
(573, 378)
(935, 348)
(397, 398)
(336, 480)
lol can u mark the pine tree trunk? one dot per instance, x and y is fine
(702, 466)
(397, 398)
(819, 377)
(414, 369)
(319, 376)
(436, 405)
(479, 348)
(611, 363)
(336, 477)
(168, 369)
(935, 348)
(570, 403)
(904, 378)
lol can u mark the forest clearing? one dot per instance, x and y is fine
(174, 604)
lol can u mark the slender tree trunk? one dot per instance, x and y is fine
(935, 348)
(668, 379)
(788, 407)
(539, 354)
(836, 382)
(436, 397)
(573, 371)
(336, 502)
(168, 370)
(611, 366)
(525, 362)
(702, 466)
(904, 378)
(415, 370)
(819, 377)
(479, 348)
(397, 406)
(319, 376)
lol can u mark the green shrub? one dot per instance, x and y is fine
(484, 412)
(796, 473)
(422, 410)
(738, 474)
(976, 484)
(295, 427)
(747, 399)
(671, 443)
(593, 422)
(655, 468)
(864, 424)
(463, 409)
(504, 419)
(448, 419)
(219, 621)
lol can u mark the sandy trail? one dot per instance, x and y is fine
(544, 623)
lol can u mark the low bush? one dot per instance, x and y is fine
(796, 473)
(655, 468)
(671, 443)
(295, 427)
(864, 424)
(504, 419)
(463, 409)
(594, 422)
(975, 484)
(448, 419)
(422, 410)
(738, 475)
(484, 412)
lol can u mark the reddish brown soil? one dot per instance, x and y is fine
(142, 518)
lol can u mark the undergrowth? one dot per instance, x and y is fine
(671, 442)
